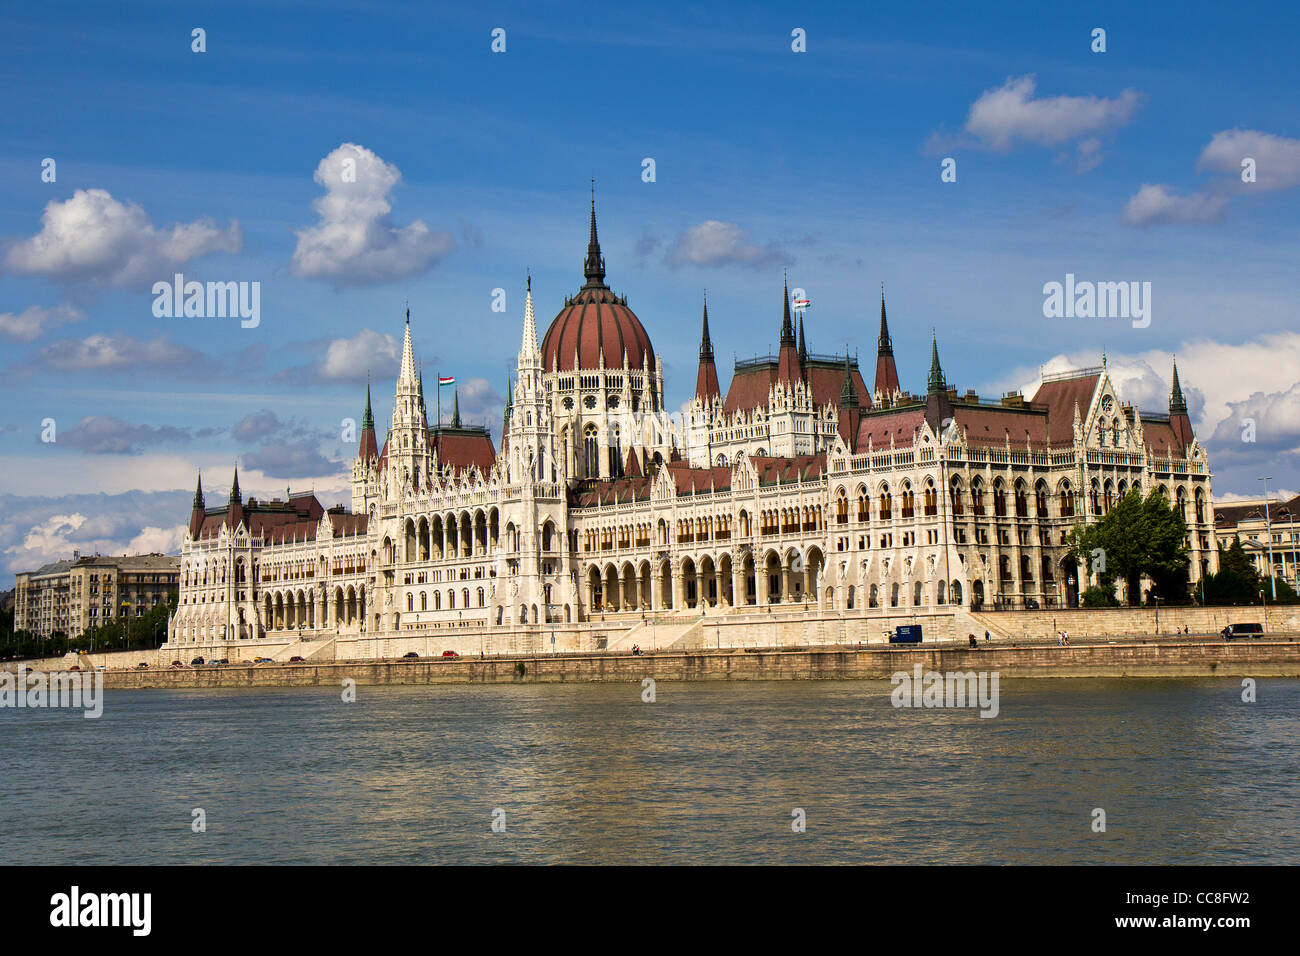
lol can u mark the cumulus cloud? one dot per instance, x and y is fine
(1159, 205)
(714, 243)
(34, 321)
(115, 351)
(36, 531)
(106, 435)
(287, 448)
(1277, 166)
(356, 241)
(1277, 158)
(480, 403)
(353, 359)
(94, 237)
(1010, 113)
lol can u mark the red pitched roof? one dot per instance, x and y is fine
(1060, 397)
(901, 423)
(993, 425)
(463, 447)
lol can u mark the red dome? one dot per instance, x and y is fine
(594, 324)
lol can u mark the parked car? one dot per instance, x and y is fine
(197, 662)
(451, 654)
(297, 659)
(1243, 630)
(410, 656)
(222, 663)
(74, 667)
(263, 660)
(177, 664)
(142, 664)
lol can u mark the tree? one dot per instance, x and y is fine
(1137, 537)
(1237, 581)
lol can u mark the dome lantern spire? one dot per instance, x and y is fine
(594, 268)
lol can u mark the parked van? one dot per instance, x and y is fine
(1243, 630)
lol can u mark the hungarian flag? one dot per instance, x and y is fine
(801, 304)
(446, 379)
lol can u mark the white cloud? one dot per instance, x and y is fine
(1159, 205)
(34, 321)
(56, 537)
(116, 351)
(1008, 113)
(1277, 159)
(93, 237)
(367, 352)
(355, 242)
(715, 243)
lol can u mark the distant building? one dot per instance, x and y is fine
(1281, 529)
(69, 597)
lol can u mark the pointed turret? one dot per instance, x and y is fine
(936, 382)
(706, 381)
(1178, 418)
(788, 368)
(196, 511)
(633, 467)
(803, 345)
(787, 329)
(369, 447)
(850, 410)
(938, 407)
(886, 372)
(455, 408)
(235, 504)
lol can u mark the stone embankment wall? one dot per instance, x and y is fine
(1166, 659)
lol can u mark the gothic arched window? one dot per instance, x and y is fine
(590, 452)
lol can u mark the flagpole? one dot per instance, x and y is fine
(439, 425)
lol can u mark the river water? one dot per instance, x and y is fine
(707, 773)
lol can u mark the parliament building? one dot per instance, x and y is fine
(800, 489)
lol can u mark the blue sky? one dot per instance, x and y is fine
(1120, 165)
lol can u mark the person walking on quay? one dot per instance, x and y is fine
(986, 637)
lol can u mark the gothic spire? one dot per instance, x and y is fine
(885, 345)
(528, 348)
(706, 379)
(848, 394)
(706, 344)
(198, 493)
(787, 330)
(594, 268)
(407, 374)
(455, 408)
(235, 497)
(367, 419)
(937, 383)
(1177, 404)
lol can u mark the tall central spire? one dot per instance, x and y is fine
(884, 345)
(528, 347)
(594, 268)
(886, 386)
(407, 374)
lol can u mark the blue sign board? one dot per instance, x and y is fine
(906, 634)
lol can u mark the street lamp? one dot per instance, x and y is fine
(1268, 533)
